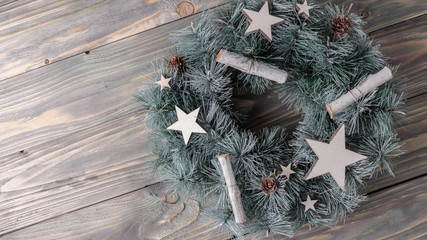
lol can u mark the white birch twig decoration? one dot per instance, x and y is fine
(233, 190)
(259, 69)
(372, 82)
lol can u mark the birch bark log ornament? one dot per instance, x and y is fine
(373, 81)
(236, 61)
(233, 190)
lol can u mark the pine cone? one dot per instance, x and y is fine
(340, 25)
(269, 185)
(176, 64)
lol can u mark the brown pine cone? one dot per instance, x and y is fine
(269, 185)
(340, 25)
(176, 64)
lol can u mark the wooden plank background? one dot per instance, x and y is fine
(74, 163)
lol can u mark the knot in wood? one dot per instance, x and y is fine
(364, 14)
(171, 197)
(185, 9)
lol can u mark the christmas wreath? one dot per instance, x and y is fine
(321, 63)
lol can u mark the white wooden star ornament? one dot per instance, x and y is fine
(333, 157)
(286, 171)
(309, 204)
(164, 82)
(187, 124)
(304, 9)
(261, 21)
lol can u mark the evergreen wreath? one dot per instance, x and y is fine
(324, 53)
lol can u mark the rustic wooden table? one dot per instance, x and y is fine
(74, 162)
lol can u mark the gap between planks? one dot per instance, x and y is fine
(21, 58)
(401, 205)
(75, 56)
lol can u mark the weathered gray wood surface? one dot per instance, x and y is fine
(392, 212)
(71, 140)
(35, 33)
(51, 30)
(148, 213)
(383, 13)
(405, 43)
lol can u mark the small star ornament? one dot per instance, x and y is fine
(304, 9)
(286, 171)
(187, 123)
(333, 157)
(309, 204)
(164, 82)
(261, 21)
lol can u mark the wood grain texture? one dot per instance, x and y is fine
(412, 133)
(392, 213)
(70, 133)
(383, 13)
(51, 30)
(405, 44)
(130, 216)
(35, 33)
(413, 136)
(106, 221)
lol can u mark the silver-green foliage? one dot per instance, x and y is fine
(323, 70)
